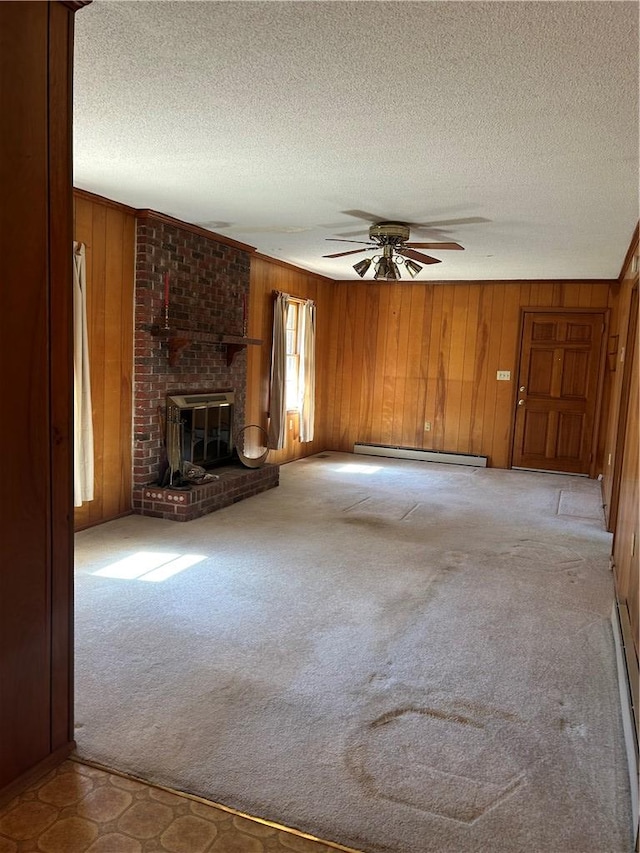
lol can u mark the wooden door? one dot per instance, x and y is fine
(560, 355)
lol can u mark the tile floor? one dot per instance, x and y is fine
(77, 808)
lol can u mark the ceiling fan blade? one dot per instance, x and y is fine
(338, 240)
(363, 214)
(417, 256)
(342, 254)
(360, 232)
(467, 220)
(436, 246)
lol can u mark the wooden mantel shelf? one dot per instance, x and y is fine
(235, 343)
(178, 339)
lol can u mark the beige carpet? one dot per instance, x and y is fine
(397, 656)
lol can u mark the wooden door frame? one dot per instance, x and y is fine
(623, 406)
(560, 309)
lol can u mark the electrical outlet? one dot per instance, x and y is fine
(503, 375)
(427, 426)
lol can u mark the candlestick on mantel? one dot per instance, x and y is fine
(244, 315)
(166, 300)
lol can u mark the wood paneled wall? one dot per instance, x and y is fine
(620, 311)
(108, 231)
(268, 275)
(390, 356)
(621, 472)
(626, 545)
(402, 355)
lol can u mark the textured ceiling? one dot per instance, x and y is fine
(268, 121)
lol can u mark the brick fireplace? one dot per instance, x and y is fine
(191, 300)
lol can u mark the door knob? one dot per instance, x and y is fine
(521, 402)
(522, 388)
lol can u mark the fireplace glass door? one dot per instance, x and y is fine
(206, 426)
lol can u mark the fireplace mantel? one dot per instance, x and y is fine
(178, 339)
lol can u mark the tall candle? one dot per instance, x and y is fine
(166, 290)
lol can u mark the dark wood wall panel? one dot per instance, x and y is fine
(621, 441)
(36, 712)
(401, 355)
(619, 327)
(108, 232)
(626, 547)
(267, 276)
(25, 620)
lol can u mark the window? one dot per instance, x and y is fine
(292, 400)
(292, 387)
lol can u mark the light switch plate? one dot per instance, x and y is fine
(503, 375)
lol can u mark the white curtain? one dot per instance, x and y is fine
(277, 403)
(307, 369)
(82, 422)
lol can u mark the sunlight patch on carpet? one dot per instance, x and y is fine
(149, 566)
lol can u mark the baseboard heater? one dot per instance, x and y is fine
(628, 685)
(421, 455)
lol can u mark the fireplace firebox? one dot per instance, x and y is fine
(205, 426)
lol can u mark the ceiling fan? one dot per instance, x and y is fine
(391, 239)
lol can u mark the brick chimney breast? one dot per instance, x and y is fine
(208, 290)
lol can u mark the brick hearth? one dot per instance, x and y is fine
(235, 483)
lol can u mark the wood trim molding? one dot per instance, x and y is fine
(633, 248)
(75, 5)
(609, 282)
(100, 199)
(146, 213)
(60, 169)
(88, 524)
(606, 319)
(300, 270)
(36, 772)
(195, 229)
(561, 309)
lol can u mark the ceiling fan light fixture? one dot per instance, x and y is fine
(387, 270)
(362, 266)
(412, 267)
(391, 238)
